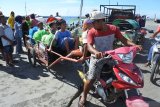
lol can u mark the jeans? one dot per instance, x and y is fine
(19, 45)
(70, 43)
(150, 53)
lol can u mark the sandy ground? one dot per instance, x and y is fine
(27, 86)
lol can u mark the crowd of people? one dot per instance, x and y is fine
(97, 37)
(11, 32)
(51, 33)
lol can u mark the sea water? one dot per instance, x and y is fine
(69, 19)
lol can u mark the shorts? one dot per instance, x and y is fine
(8, 49)
(70, 42)
(95, 68)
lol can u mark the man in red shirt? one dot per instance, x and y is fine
(100, 39)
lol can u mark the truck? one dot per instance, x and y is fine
(113, 12)
(124, 17)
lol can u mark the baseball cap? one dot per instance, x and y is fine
(95, 15)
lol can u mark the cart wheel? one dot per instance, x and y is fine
(32, 57)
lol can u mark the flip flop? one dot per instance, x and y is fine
(80, 104)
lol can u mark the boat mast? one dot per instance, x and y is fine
(25, 8)
(80, 16)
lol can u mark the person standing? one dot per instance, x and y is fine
(25, 29)
(11, 20)
(34, 21)
(1, 45)
(7, 37)
(18, 34)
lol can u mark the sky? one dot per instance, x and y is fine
(72, 7)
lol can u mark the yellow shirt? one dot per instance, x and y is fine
(11, 22)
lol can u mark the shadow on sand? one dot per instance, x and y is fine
(67, 73)
(24, 70)
(151, 102)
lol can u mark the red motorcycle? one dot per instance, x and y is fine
(118, 75)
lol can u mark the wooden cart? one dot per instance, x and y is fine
(39, 53)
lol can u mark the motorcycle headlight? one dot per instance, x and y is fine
(127, 79)
(126, 58)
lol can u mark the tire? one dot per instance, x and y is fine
(32, 57)
(155, 69)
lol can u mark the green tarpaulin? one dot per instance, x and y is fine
(134, 24)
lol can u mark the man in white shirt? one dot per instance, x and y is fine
(7, 38)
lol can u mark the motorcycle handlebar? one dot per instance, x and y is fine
(103, 58)
(106, 59)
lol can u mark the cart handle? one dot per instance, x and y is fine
(54, 53)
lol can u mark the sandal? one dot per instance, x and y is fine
(81, 104)
(147, 64)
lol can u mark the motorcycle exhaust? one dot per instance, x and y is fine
(82, 76)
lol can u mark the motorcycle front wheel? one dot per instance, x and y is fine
(155, 70)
